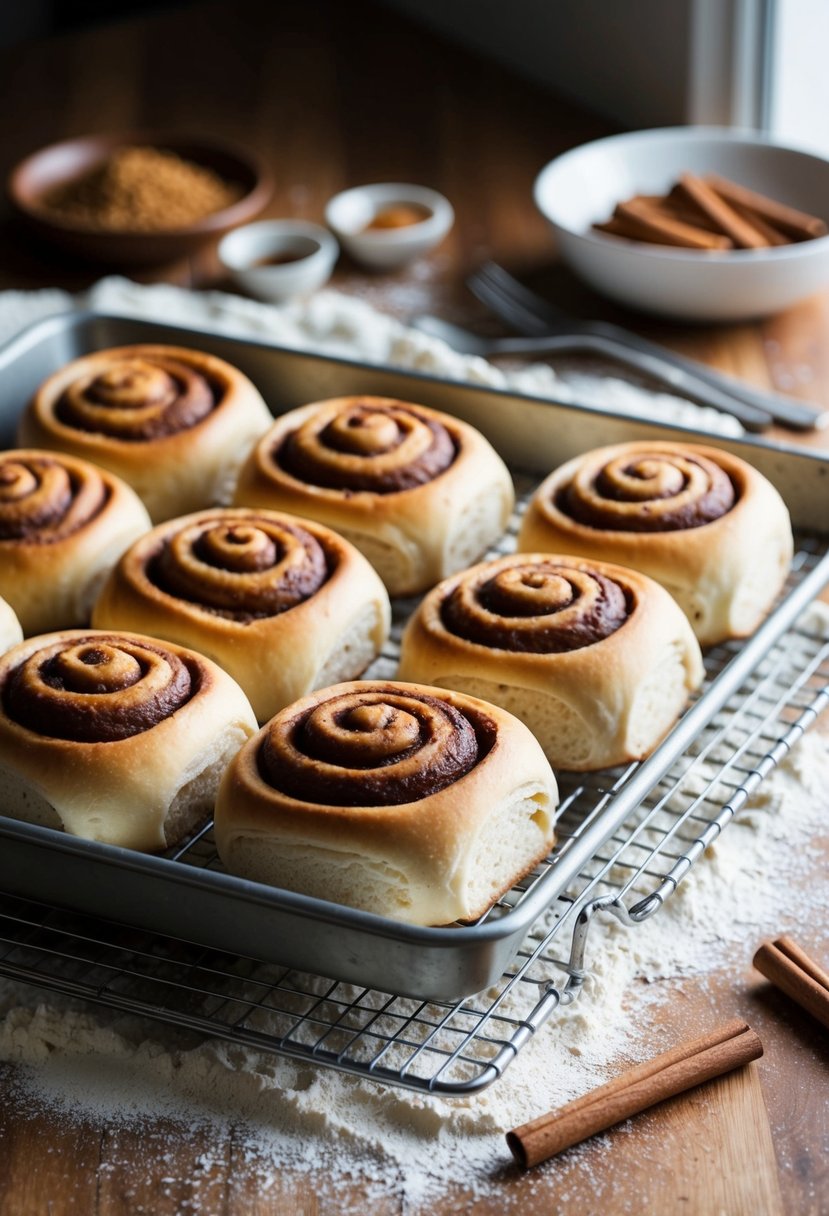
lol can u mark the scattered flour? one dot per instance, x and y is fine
(97, 1065)
(337, 324)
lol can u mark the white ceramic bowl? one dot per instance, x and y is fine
(583, 186)
(348, 213)
(313, 247)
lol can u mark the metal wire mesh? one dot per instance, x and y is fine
(460, 1047)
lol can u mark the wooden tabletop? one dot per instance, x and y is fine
(332, 95)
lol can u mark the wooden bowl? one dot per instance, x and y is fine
(61, 163)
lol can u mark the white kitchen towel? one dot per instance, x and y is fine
(338, 324)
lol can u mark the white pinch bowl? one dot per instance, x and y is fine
(314, 248)
(348, 213)
(582, 187)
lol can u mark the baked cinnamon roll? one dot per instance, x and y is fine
(282, 604)
(115, 737)
(175, 424)
(705, 524)
(598, 661)
(419, 493)
(63, 524)
(410, 802)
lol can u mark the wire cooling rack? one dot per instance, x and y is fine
(454, 1048)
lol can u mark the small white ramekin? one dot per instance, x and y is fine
(315, 249)
(349, 213)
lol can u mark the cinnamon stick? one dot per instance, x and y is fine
(678, 208)
(794, 223)
(792, 971)
(668, 230)
(730, 224)
(667, 207)
(673, 205)
(628, 228)
(613, 226)
(773, 235)
(671, 1073)
(683, 209)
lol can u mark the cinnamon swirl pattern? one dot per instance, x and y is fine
(598, 661)
(703, 523)
(284, 605)
(119, 738)
(175, 424)
(411, 802)
(419, 493)
(651, 489)
(63, 524)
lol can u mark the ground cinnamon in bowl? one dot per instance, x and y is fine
(140, 189)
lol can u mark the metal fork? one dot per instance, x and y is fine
(530, 314)
(674, 379)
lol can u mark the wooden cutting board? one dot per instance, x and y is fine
(705, 1153)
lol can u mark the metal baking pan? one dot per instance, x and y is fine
(183, 894)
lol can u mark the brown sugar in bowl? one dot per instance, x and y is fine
(59, 164)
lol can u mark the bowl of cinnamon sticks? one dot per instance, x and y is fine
(699, 223)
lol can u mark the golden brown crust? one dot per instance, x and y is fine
(63, 524)
(355, 752)
(387, 474)
(268, 596)
(173, 423)
(534, 631)
(107, 728)
(725, 569)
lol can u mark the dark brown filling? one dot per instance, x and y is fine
(41, 500)
(137, 399)
(378, 747)
(244, 568)
(71, 690)
(537, 608)
(671, 493)
(364, 439)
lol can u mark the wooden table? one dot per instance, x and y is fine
(333, 95)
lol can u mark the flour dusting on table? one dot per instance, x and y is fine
(94, 1064)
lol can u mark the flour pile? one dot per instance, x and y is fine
(336, 324)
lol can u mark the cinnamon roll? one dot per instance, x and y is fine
(282, 604)
(419, 493)
(175, 424)
(10, 631)
(705, 524)
(63, 524)
(410, 802)
(598, 661)
(115, 737)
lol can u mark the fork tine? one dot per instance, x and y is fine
(534, 316)
(531, 301)
(514, 315)
(508, 299)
